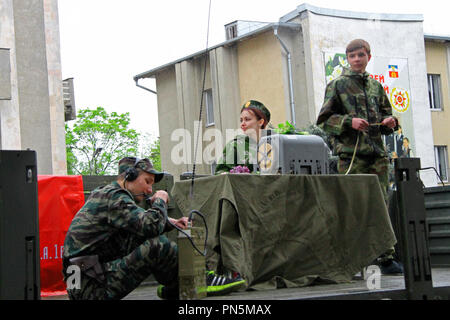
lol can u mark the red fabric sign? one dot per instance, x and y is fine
(60, 198)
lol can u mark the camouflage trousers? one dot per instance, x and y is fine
(157, 256)
(370, 165)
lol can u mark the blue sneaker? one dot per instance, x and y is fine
(391, 267)
(220, 285)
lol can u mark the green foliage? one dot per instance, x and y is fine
(151, 149)
(312, 129)
(288, 128)
(97, 140)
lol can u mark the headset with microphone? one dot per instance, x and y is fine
(131, 174)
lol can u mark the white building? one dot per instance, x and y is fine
(286, 65)
(31, 101)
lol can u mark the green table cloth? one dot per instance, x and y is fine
(290, 230)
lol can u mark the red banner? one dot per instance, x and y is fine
(60, 198)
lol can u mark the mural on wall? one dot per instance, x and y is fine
(393, 75)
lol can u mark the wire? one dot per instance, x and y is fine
(191, 214)
(201, 103)
(443, 184)
(354, 154)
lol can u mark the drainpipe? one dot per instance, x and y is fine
(142, 87)
(291, 87)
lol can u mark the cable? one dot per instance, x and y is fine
(354, 154)
(196, 148)
(190, 218)
(188, 236)
(201, 103)
(443, 184)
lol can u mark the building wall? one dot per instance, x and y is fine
(261, 75)
(168, 117)
(179, 99)
(9, 109)
(52, 40)
(226, 92)
(33, 116)
(437, 55)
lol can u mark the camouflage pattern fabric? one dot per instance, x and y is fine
(355, 95)
(128, 240)
(368, 165)
(239, 151)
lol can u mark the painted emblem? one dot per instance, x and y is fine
(400, 99)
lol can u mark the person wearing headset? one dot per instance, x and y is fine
(116, 244)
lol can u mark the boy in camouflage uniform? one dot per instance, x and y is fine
(355, 113)
(117, 244)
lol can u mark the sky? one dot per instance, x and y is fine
(105, 43)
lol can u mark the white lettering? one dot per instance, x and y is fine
(181, 153)
(374, 280)
(73, 281)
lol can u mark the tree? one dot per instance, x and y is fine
(97, 140)
(151, 150)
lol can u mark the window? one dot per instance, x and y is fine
(440, 153)
(209, 107)
(434, 91)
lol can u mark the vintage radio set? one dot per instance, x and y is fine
(293, 154)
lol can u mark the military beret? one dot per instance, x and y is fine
(143, 164)
(259, 106)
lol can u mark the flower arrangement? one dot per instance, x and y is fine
(240, 169)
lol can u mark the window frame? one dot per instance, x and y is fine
(431, 83)
(209, 107)
(437, 158)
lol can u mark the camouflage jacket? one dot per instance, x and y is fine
(105, 222)
(355, 95)
(241, 151)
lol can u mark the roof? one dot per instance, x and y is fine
(435, 37)
(151, 73)
(350, 14)
(283, 22)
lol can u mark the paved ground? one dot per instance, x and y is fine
(440, 276)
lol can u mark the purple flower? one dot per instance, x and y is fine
(240, 169)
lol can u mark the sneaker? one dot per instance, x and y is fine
(221, 285)
(216, 285)
(166, 293)
(391, 267)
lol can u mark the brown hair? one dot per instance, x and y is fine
(258, 113)
(357, 44)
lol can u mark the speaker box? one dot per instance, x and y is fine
(19, 226)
